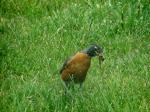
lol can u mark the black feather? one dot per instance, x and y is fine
(65, 64)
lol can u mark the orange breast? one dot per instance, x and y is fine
(77, 68)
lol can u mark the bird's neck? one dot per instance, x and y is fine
(86, 51)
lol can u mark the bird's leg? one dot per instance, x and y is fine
(72, 82)
(81, 86)
(66, 86)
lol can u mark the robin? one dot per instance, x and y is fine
(75, 67)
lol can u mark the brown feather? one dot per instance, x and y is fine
(76, 68)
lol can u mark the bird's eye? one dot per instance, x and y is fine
(95, 47)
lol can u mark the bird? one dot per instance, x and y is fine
(75, 67)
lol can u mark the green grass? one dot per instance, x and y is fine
(37, 36)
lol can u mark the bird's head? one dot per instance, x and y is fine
(95, 50)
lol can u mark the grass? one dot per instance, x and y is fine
(37, 36)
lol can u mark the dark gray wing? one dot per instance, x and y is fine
(65, 64)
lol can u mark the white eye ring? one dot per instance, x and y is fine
(95, 47)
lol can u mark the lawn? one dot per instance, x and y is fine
(36, 36)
